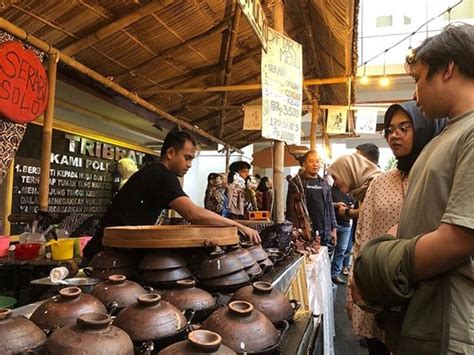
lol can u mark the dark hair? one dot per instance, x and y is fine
(211, 176)
(262, 185)
(176, 139)
(370, 151)
(235, 167)
(306, 155)
(453, 44)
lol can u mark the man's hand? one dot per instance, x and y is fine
(339, 205)
(334, 236)
(252, 234)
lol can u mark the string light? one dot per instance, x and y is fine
(384, 81)
(409, 37)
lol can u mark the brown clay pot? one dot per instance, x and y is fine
(219, 264)
(254, 271)
(161, 260)
(104, 274)
(92, 334)
(187, 296)
(236, 278)
(242, 254)
(117, 289)
(242, 328)
(199, 342)
(112, 259)
(64, 309)
(266, 264)
(151, 319)
(19, 335)
(165, 276)
(270, 302)
(258, 253)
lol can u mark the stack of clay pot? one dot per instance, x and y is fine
(250, 264)
(260, 255)
(113, 262)
(162, 268)
(222, 272)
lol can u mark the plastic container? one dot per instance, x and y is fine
(4, 244)
(79, 245)
(27, 251)
(62, 249)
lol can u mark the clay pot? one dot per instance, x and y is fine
(19, 335)
(92, 334)
(187, 296)
(151, 319)
(266, 264)
(254, 271)
(166, 276)
(199, 342)
(117, 289)
(270, 302)
(242, 254)
(112, 259)
(221, 283)
(104, 274)
(161, 260)
(64, 309)
(219, 264)
(242, 328)
(257, 252)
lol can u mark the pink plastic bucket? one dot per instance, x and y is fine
(82, 243)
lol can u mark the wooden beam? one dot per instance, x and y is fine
(112, 28)
(204, 71)
(228, 63)
(349, 45)
(47, 135)
(245, 87)
(43, 46)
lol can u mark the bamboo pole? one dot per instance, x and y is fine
(279, 147)
(47, 133)
(227, 159)
(40, 44)
(112, 28)
(314, 123)
(243, 87)
(228, 64)
(7, 190)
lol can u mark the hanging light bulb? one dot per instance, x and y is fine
(384, 81)
(365, 79)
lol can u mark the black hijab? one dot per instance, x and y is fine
(424, 129)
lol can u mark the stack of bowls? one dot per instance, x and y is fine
(162, 268)
(112, 262)
(251, 266)
(222, 272)
(259, 254)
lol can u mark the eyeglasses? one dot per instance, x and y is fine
(402, 129)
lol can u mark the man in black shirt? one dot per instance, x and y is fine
(318, 198)
(156, 187)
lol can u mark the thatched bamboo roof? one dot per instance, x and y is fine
(149, 46)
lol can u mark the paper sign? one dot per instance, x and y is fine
(366, 121)
(337, 120)
(282, 89)
(252, 118)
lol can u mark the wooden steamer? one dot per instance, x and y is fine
(182, 236)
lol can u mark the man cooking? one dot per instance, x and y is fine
(156, 187)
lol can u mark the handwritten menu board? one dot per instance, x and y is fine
(83, 174)
(282, 89)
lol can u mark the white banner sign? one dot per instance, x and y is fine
(337, 120)
(253, 11)
(366, 121)
(252, 118)
(282, 89)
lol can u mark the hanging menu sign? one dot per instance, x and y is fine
(83, 174)
(282, 89)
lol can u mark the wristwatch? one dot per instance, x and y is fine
(346, 212)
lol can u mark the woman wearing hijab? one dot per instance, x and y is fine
(407, 131)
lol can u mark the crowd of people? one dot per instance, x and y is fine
(236, 194)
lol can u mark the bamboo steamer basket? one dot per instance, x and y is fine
(181, 236)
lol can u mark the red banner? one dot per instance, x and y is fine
(23, 83)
